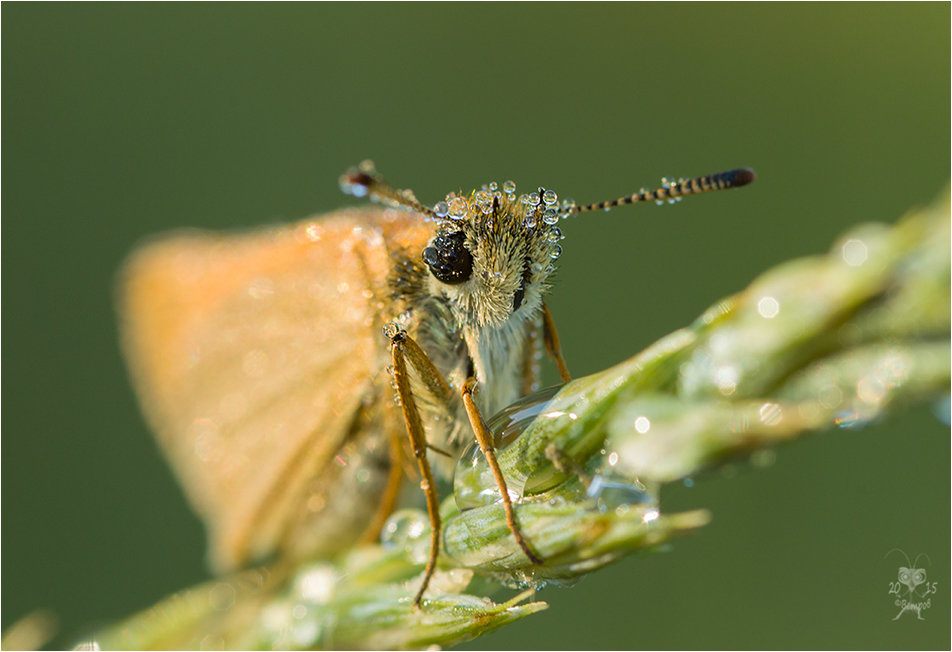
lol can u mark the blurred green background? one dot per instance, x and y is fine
(120, 121)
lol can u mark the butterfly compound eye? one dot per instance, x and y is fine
(448, 258)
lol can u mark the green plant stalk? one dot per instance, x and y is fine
(830, 341)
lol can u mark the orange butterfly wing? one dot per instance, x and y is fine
(260, 364)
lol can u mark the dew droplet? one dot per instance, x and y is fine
(458, 208)
(534, 198)
(550, 197)
(568, 204)
(482, 197)
(556, 252)
(408, 530)
(611, 491)
(316, 583)
(349, 188)
(441, 209)
(768, 307)
(855, 252)
(509, 187)
(473, 482)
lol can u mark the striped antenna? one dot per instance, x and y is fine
(676, 190)
(363, 181)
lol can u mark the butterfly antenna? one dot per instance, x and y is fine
(673, 190)
(915, 563)
(900, 551)
(363, 181)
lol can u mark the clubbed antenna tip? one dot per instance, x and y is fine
(673, 190)
(743, 176)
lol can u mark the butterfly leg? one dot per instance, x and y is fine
(403, 348)
(485, 440)
(552, 346)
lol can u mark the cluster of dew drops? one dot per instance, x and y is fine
(540, 208)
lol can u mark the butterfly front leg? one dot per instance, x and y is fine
(485, 440)
(406, 351)
(403, 348)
